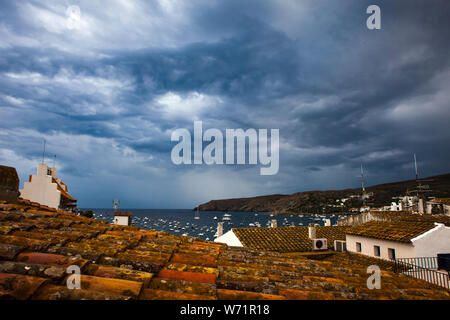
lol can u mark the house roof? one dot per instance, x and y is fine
(122, 214)
(445, 201)
(286, 239)
(412, 217)
(63, 191)
(402, 231)
(37, 244)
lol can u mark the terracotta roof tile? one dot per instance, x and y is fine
(194, 259)
(154, 294)
(19, 286)
(50, 259)
(124, 262)
(187, 276)
(111, 286)
(119, 273)
(31, 244)
(203, 289)
(43, 271)
(402, 231)
(225, 294)
(54, 292)
(9, 251)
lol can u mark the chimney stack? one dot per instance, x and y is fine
(219, 229)
(312, 231)
(421, 206)
(327, 223)
(273, 223)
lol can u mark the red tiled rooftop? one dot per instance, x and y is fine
(123, 262)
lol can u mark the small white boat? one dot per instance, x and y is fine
(215, 218)
(197, 215)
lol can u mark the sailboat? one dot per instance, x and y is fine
(197, 215)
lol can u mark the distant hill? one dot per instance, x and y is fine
(310, 202)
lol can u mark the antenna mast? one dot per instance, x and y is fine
(116, 204)
(362, 186)
(43, 154)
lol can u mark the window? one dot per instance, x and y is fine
(358, 247)
(391, 253)
(376, 251)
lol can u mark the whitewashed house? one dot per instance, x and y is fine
(229, 238)
(399, 239)
(47, 189)
(122, 218)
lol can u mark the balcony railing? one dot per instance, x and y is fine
(425, 268)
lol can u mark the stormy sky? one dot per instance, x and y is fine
(106, 91)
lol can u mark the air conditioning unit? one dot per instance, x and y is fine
(340, 245)
(320, 244)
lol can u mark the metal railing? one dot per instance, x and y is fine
(425, 268)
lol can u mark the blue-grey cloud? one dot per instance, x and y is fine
(107, 95)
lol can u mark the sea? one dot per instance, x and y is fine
(203, 224)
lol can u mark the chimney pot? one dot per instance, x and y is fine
(312, 231)
(219, 229)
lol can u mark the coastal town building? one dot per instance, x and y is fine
(47, 189)
(122, 218)
(438, 205)
(391, 240)
(282, 239)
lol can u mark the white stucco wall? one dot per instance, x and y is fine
(431, 243)
(121, 220)
(402, 250)
(230, 239)
(41, 189)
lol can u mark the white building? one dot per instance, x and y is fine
(396, 206)
(122, 218)
(399, 239)
(46, 189)
(283, 239)
(230, 239)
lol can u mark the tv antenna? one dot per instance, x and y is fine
(363, 189)
(419, 187)
(415, 167)
(116, 204)
(43, 153)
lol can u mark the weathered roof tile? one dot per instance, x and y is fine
(111, 286)
(119, 273)
(19, 286)
(154, 294)
(225, 294)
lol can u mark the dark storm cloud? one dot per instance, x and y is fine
(107, 96)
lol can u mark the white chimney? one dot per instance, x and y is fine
(273, 223)
(219, 229)
(312, 231)
(327, 223)
(421, 206)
